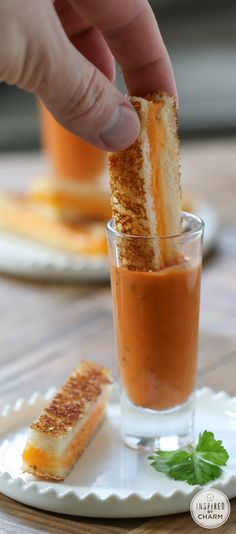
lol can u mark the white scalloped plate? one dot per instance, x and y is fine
(110, 480)
(26, 258)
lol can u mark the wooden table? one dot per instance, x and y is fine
(45, 329)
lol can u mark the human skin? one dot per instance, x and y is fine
(63, 51)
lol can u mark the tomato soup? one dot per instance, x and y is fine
(156, 322)
(71, 157)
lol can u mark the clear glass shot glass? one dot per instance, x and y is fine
(156, 316)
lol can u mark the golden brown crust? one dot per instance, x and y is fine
(33, 470)
(144, 202)
(62, 463)
(127, 188)
(62, 431)
(128, 202)
(70, 404)
(50, 426)
(157, 96)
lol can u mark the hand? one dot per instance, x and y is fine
(64, 51)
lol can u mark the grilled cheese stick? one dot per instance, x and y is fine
(21, 217)
(61, 432)
(145, 183)
(70, 199)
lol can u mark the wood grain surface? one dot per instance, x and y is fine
(45, 329)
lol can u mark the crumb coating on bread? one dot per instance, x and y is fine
(71, 403)
(128, 193)
(146, 198)
(128, 199)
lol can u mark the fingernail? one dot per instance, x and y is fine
(121, 129)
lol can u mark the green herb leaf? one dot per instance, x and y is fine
(199, 466)
(165, 460)
(210, 449)
(195, 472)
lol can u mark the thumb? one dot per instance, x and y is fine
(38, 56)
(85, 102)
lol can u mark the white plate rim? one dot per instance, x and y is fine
(21, 488)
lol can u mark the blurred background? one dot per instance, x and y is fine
(201, 38)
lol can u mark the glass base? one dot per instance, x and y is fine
(148, 430)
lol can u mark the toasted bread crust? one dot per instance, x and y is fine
(62, 431)
(128, 199)
(70, 404)
(74, 448)
(44, 476)
(127, 186)
(135, 209)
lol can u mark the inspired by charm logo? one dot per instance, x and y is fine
(210, 508)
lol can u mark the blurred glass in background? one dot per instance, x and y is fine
(201, 38)
(69, 156)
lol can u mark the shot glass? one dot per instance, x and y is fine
(156, 316)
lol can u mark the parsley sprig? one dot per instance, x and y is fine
(199, 466)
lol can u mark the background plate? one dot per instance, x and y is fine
(111, 480)
(28, 259)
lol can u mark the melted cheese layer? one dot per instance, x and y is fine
(44, 461)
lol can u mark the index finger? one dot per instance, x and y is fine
(132, 33)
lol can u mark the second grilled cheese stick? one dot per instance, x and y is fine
(145, 179)
(72, 200)
(61, 432)
(21, 217)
